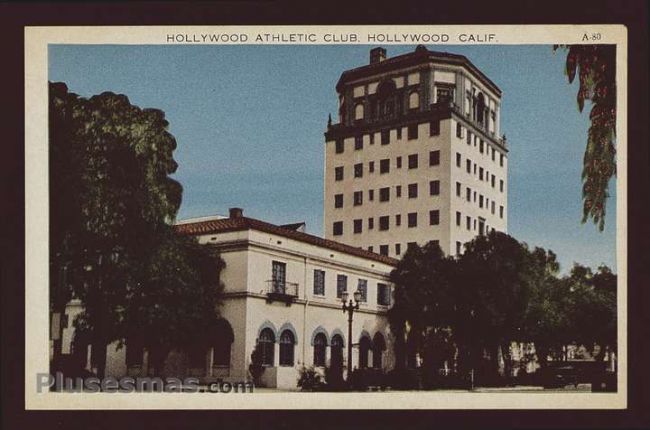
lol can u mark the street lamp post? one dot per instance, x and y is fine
(350, 306)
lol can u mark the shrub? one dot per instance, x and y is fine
(256, 369)
(310, 379)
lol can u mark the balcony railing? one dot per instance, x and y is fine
(282, 291)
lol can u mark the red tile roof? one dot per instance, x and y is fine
(245, 223)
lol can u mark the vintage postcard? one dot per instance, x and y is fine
(326, 217)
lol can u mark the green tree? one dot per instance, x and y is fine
(111, 211)
(592, 308)
(423, 303)
(595, 66)
(494, 291)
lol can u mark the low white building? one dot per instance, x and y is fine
(282, 291)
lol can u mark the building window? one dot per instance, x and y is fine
(434, 128)
(358, 111)
(444, 94)
(481, 226)
(337, 228)
(370, 248)
(364, 348)
(320, 346)
(480, 146)
(319, 282)
(266, 344)
(385, 137)
(480, 173)
(492, 182)
(501, 160)
(338, 200)
(358, 170)
(434, 158)
(399, 132)
(383, 294)
(468, 165)
(384, 165)
(362, 287)
(468, 223)
(371, 167)
(494, 152)
(413, 161)
(414, 100)
(336, 351)
(398, 249)
(413, 191)
(398, 191)
(358, 142)
(357, 223)
(358, 198)
(372, 138)
(384, 194)
(469, 194)
(458, 189)
(371, 223)
(287, 343)
(383, 249)
(279, 276)
(341, 285)
(398, 220)
(475, 168)
(434, 188)
(500, 211)
(383, 222)
(434, 217)
(501, 185)
(340, 146)
(492, 207)
(399, 162)
(413, 219)
(371, 195)
(458, 248)
(223, 344)
(459, 130)
(458, 218)
(338, 173)
(469, 137)
(480, 201)
(412, 131)
(458, 159)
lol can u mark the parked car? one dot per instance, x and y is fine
(558, 376)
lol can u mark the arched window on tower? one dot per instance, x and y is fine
(320, 345)
(266, 344)
(287, 342)
(414, 100)
(480, 109)
(358, 112)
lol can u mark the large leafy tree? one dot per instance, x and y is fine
(494, 289)
(112, 204)
(424, 306)
(595, 66)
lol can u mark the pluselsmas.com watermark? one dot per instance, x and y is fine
(46, 382)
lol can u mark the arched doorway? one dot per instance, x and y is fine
(378, 348)
(365, 345)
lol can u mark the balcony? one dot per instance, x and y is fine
(281, 291)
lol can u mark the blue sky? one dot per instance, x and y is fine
(249, 122)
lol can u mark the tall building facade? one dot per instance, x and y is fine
(416, 154)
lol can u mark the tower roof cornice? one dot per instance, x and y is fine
(420, 56)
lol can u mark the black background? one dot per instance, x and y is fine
(13, 18)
